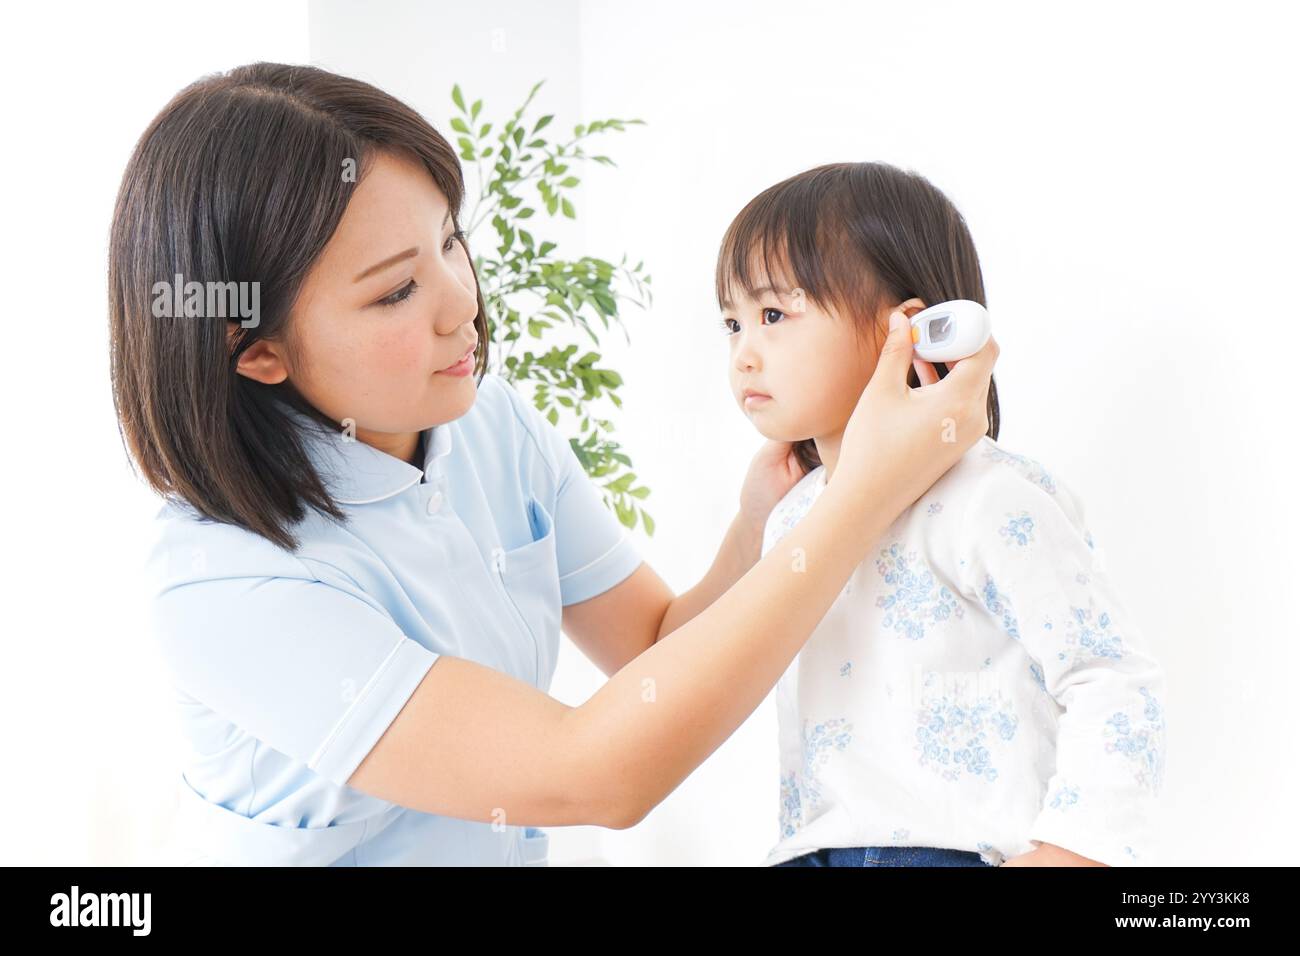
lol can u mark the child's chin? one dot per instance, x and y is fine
(774, 431)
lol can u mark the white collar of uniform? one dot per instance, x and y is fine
(356, 473)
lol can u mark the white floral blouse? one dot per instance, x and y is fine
(977, 685)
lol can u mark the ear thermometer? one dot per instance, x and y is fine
(950, 330)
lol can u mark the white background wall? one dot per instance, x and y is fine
(1127, 172)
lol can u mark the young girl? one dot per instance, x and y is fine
(977, 694)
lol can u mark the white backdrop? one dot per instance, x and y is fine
(1127, 174)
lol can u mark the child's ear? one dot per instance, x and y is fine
(910, 307)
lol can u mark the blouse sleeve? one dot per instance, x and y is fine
(309, 669)
(594, 551)
(1032, 563)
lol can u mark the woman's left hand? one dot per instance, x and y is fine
(1048, 854)
(772, 473)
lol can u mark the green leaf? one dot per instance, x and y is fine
(558, 293)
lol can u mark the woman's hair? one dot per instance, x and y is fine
(854, 237)
(242, 178)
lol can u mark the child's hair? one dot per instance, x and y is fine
(243, 177)
(854, 236)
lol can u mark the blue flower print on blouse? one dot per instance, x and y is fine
(789, 513)
(1140, 740)
(916, 598)
(826, 736)
(791, 814)
(1019, 529)
(999, 605)
(953, 739)
(1064, 797)
(1088, 636)
(1036, 673)
(1030, 468)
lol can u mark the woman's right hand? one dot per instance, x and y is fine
(900, 440)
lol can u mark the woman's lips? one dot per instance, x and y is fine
(463, 366)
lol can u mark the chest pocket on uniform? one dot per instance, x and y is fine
(531, 576)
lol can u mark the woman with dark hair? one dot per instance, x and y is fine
(370, 543)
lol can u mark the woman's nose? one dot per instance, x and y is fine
(457, 301)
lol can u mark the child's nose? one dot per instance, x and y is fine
(746, 354)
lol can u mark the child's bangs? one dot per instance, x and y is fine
(754, 257)
(786, 240)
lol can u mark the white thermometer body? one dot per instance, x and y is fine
(950, 330)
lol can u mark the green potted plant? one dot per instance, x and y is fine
(529, 290)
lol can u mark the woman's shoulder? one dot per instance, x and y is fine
(499, 401)
(188, 547)
(502, 416)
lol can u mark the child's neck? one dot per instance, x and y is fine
(828, 450)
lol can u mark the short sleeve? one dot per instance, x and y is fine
(305, 667)
(594, 551)
(1033, 565)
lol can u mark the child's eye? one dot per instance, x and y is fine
(401, 295)
(726, 323)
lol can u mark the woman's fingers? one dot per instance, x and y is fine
(925, 371)
(974, 368)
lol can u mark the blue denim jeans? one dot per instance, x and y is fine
(887, 856)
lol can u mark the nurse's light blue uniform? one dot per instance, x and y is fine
(289, 667)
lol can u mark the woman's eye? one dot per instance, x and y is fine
(775, 311)
(451, 240)
(401, 295)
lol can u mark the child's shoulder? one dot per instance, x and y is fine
(991, 461)
(792, 507)
(991, 474)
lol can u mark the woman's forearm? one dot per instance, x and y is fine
(666, 710)
(737, 554)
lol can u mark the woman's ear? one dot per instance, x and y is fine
(261, 361)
